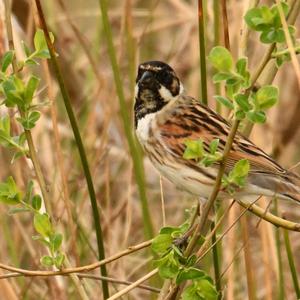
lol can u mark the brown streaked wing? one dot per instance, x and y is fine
(188, 119)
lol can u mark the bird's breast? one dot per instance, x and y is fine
(143, 128)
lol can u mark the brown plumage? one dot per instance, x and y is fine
(165, 118)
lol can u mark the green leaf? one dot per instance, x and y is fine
(259, 18)
(5, 125)
(39, 40)
(28, 122)
(9, 192)
(243, 102)
(36, 202)
(201, 289)
(214, 146)
(7, 60)
(241, 168)
(47, 261)
(168, 265)
(59, 260)
(31, 87)
(29, 189)
(239, 114)
(241, 66)
(189, 273)
(256, 116)
(267, 96)
(41, 239)
(221, 77)
(210, 159)
(168, 230)
(268, 36)
(161, 243)
(40, 44)
(56, 241)
(194, 149)
(42, 224)
(221, 59)
(223, 100)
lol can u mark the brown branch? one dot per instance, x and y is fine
(95, 277)
(85, 268)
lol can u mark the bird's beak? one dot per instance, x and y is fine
(146, 77)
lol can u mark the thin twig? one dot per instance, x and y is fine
(95, 277)
(133, 285)
(78, 269)
(79, 143)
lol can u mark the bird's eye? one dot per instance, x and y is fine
(166, 78)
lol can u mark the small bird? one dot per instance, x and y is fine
(165, 118)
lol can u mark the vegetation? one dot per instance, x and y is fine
(76, 194)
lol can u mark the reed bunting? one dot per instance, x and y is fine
(165, 117)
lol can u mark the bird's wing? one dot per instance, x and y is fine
(189, 120)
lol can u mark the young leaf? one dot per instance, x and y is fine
(201, 289)
(214, 146)
(9, 192)
(39, 40)
(36, 202)
(243, 102)
(267, 96)
(42, 224)
(5, 125)
(59, 260)
(168, 266)
(161, 243)
(194, 149)
(221, 59)
(189, 273)
(221, 77)
(256, 116)
(32, 85)
(56, 241)
(7, 60)
(223, 100)
(241, 168)
(29, 189)
(28, 122)
(47, 261)
(241, 66)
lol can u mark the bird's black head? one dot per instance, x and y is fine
(156, 85)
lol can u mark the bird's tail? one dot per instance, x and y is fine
(284, 186)
(289, 188)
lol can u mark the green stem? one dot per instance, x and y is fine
(293, 270)
(135, 154)
(216, 262)
(280, 289)
(31, 147)
(79, 143)
(216, 11)
(202, 53)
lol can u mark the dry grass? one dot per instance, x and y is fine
(143, 30)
